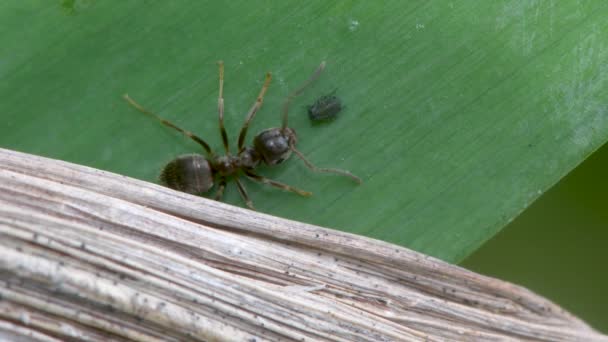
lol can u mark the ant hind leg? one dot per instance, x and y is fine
(243, 193)
(168, 123)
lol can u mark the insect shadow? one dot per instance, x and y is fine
(195, 174)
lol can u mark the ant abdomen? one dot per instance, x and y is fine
(274, 144)
(189, 173)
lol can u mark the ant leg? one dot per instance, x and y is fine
(243, 193)
(256, 106)
(276, 184)
(327, 170)
(220, 108)
(298, 91)
(220, 190)
(169, 124)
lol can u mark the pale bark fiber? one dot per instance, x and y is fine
(90, 255)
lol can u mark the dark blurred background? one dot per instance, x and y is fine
(557, 247)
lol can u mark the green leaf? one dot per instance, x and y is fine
(458, 114)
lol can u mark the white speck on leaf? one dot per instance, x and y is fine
(354, 24)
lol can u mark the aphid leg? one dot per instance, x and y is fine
(256, 106)
(276, 184)
(298, 91)
(243, 193)
(220, 190)
(169, 124)
(220, 108)
(327, 170)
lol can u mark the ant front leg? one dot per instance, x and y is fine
(276, 184)
(220, 108)
(254, 109)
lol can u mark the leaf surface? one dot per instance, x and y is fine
(458, 114)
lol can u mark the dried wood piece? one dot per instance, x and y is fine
(88, 254)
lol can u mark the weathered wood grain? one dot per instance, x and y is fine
(90, 255)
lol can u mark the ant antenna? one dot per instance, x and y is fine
(324, 170)
(298, 91)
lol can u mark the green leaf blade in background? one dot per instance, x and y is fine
(458, 115)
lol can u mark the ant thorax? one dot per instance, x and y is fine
(228, 165)
(249, 158)
(275, 144)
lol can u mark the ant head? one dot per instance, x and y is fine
(274, 145)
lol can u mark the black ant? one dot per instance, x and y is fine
(194, 173)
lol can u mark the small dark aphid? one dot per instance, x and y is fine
(326, 108)
(195, 173)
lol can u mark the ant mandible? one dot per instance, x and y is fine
(195, 173)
